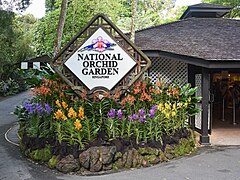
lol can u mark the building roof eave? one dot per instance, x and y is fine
(206, 7)
(220, 12)
(211, 64)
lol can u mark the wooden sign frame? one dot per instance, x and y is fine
(100, 20)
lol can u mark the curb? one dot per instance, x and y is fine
(7, 135)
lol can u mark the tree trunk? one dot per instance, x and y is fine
(132, 31)
(62, 17)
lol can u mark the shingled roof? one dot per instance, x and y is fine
(211, 6)
(206, 9)
(212, 39)
(43, 58)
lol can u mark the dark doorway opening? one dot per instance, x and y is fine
(225, 108)
(226, 103)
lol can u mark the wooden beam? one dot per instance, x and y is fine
(204, 138)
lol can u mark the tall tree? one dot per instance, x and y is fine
(235, 12)
(61, 23)
(132, 30)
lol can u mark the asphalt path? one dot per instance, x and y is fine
(208, 163)
(13, 165)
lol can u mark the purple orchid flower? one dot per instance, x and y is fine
(154, 107)
(142, 119)
(111, 113)
(39, 109)
(141, 112)
(48, 108)
(120, 114)
(29, 108)
(152, 111)
(130, 118)
(135, 117)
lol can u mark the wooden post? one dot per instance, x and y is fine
(204, 138)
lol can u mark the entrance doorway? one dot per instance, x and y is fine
(226, 108)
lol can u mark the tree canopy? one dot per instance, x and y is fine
(235, 13)
(15, 38)
(79, 12)
(11, 5)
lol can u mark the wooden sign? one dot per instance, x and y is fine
(100, 59)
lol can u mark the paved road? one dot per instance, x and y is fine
(13, 166)
(209, 163)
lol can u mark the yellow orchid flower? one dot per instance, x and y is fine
(167, 115)
(77, 124)
(167, 106)
(72, 113)
(81, 113)
(180, 105)
(64, 118)
(59, 114)
(174, 107)
(173, 114)
(160, 106)
(58, 103)
(64, 105)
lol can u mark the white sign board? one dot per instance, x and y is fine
(24, 65)
(36, 65)
(100, 61)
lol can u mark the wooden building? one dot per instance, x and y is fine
(202, 48)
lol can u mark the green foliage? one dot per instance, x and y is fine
(53, 162)
(15, 46)
(23, 28)
(79, 13)
(15, 40)
(185, 146)
(9, 87)
(235, 12)
(7, 38)
(17, 80)
(42, 155)
(18, 5)
(49, 5)
(151, 13)
(95, 114)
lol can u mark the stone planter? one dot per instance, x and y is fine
(102, 159)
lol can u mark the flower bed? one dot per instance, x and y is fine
(138, 128)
